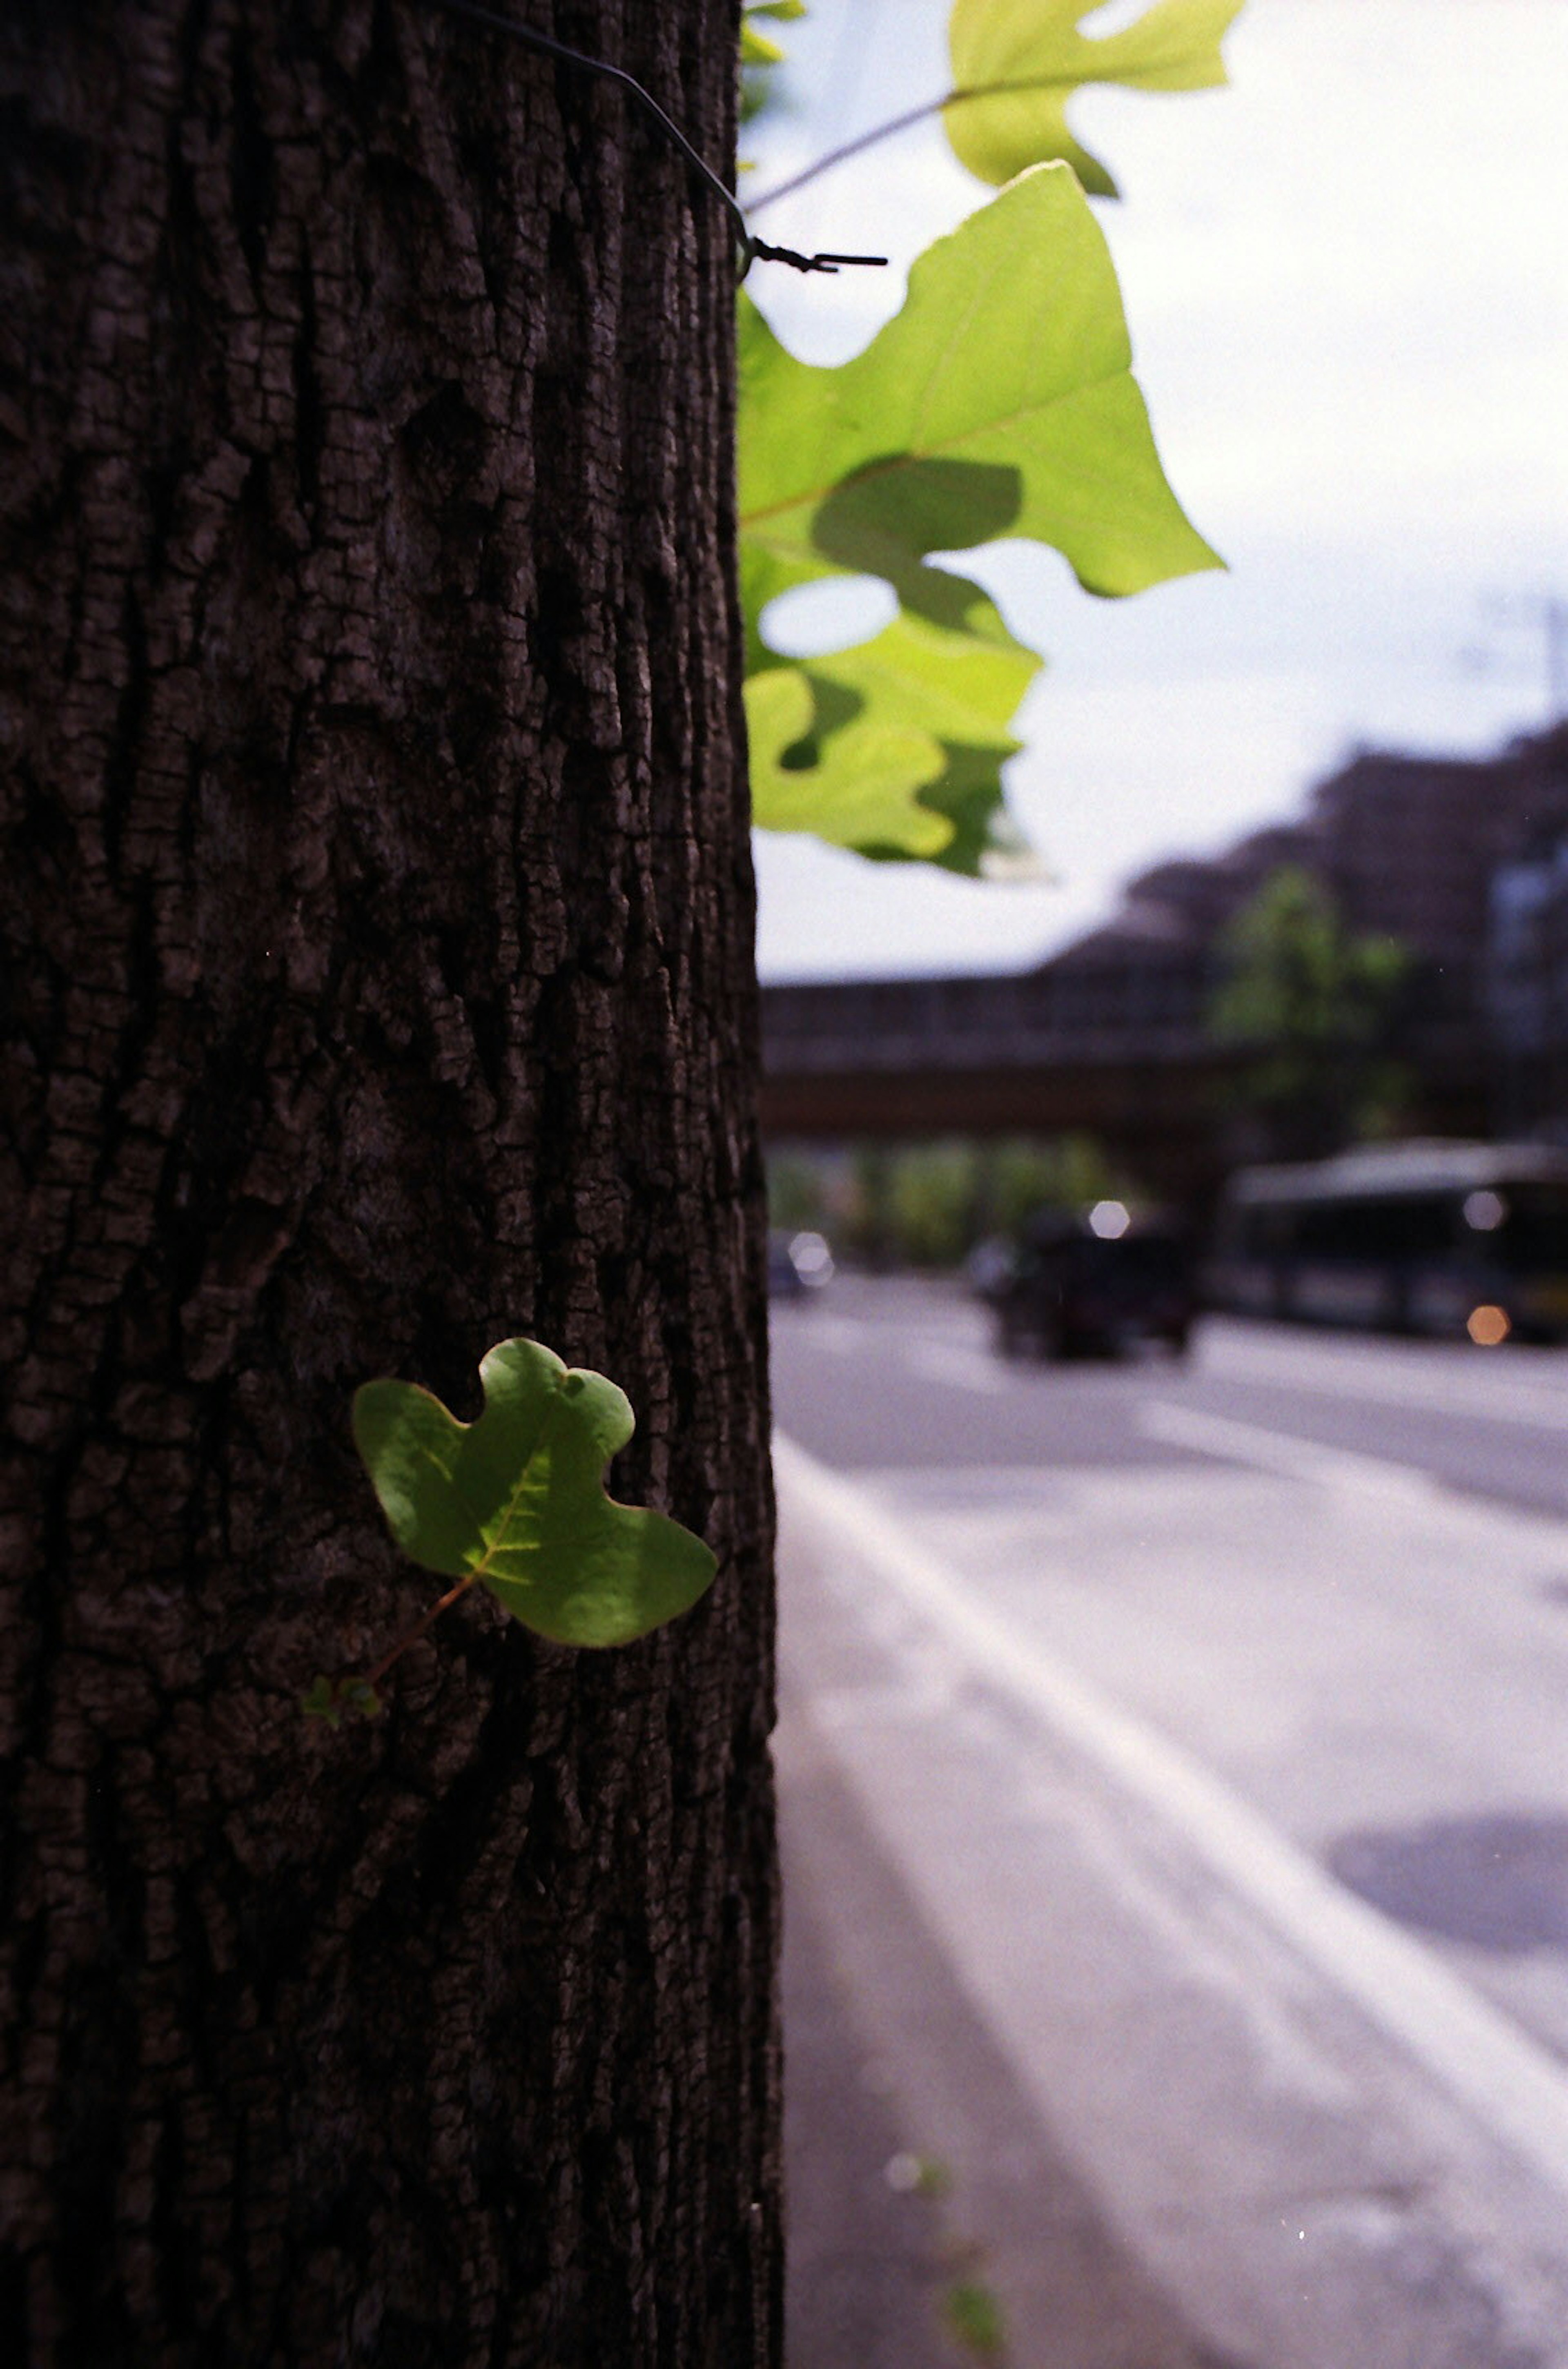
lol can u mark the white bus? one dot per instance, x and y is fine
(1458, 1238)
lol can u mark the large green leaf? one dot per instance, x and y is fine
(999, 402)
(1037, 44)
(515, 1499)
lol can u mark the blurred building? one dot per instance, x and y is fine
(1526, 980)
(1464, 860)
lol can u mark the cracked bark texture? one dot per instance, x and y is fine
(378, 915)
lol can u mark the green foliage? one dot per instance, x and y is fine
(756, 49)
(974, 2313)
(933, 1203)
(759, 54)
(797, 1198)
(330, 1699)
(1318, 1009)
(919, 711)
(515, 1500)
(1037, 44)
(929, 1204)
(856, 785)
(1000, 401)
(933, 2176)
(1018, 1177)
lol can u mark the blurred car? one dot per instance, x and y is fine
(1103, 1282)
(798, 1264)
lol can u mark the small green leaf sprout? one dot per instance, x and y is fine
(330, 1699)
(515, 1502)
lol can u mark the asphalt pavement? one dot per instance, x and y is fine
(1091, 2002)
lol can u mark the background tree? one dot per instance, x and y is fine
(1315, 1011)
(929, 1204)
(379, 918)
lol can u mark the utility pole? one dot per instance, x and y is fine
(1547, 611)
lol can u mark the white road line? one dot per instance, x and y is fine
(843, 1335)
(1454, 1380)
(1343, 1469)
(956, 1363)
(1518, 2090)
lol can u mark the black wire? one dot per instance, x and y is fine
(763, 253)
(753, 249)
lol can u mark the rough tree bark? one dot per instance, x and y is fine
(379, 908)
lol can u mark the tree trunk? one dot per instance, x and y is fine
(379, 905)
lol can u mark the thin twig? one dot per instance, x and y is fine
(901, 123)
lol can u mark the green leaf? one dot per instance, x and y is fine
(320, 1700)
(328, 1698)
(999, 402)
(516, 1499)
(855, 783)
(947, 696)
(1036, 43)
(976, 2317)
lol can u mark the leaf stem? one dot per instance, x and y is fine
(901, 123)
(412, 1637)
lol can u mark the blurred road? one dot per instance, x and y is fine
(1215, 1716)
(1495, 1422)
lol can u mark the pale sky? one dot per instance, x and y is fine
(1346, 279)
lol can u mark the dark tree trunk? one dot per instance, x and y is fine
(379, 902)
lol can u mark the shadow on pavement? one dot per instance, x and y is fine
(1499, 1880)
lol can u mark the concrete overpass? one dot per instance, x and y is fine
(1116, 1051)
(1163, 1118)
